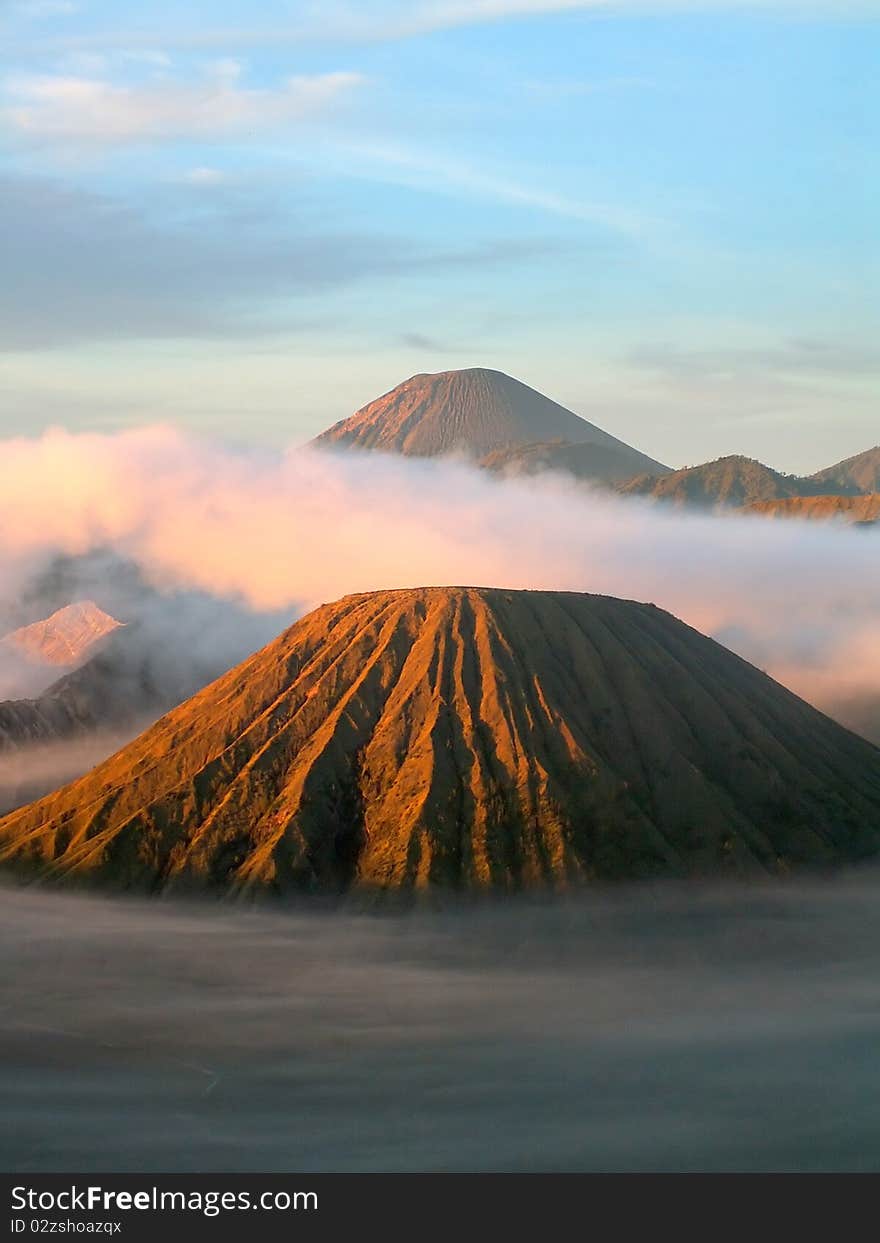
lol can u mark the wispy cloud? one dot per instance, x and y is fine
(441, 174)
(37, 10)
(113, 274)
(422, 342)
(204, 176)
(799, 357)
(562, 90)
(375, 21)
(98, 111)
(438, 13)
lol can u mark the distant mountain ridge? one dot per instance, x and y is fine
(741, 482)
(512, 430)
(733, 481)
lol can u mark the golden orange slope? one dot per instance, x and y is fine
(467, 737)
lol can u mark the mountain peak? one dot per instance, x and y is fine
(471, 738)
(65, 637)
(472, 412)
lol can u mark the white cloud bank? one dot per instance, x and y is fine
(291, 531)
(377, 21)
(98, 111)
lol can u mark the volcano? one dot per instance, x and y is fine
(474, 413)
(65, 638)
(467, 738)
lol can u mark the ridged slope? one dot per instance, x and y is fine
(466, 737)
(472, 412)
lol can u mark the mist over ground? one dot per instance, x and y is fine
(29, 772)
(236, 542)
(662, 1028)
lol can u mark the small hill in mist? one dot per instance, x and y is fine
(466, 738)
(65, 638)
(728, 482)
(473, 412)
(861, 511)
(856, 474)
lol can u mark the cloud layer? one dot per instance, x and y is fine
(288, 532)
(86, 267)
(94, 110)
(375, 21)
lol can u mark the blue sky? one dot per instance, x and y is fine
(663, 215)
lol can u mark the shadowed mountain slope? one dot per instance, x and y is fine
(592, 462)
(472, 412)
(856, 474)
(472, 738)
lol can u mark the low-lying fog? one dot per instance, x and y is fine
(659, 1029)
(28, 773)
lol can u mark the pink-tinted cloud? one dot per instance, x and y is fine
(294, 530)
